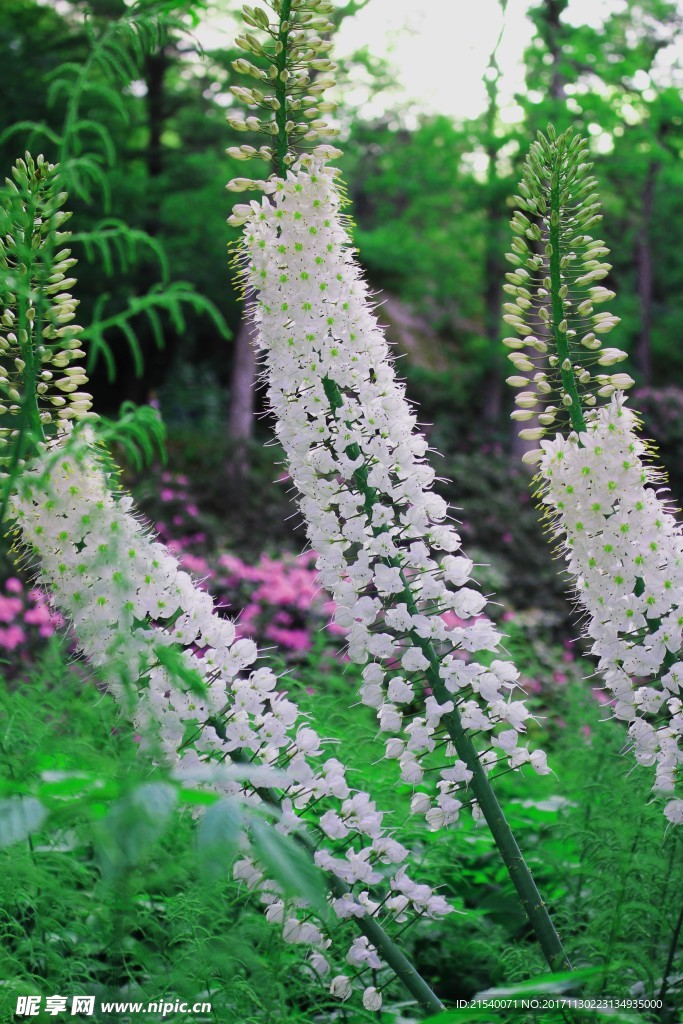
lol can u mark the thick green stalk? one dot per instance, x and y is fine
(281, 114)
(29, 415)
(513, 858)
(388, 950)
(559, 323)
(24, 333)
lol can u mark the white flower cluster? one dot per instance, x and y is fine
(624, 551)
(388, 554)
(130, 604)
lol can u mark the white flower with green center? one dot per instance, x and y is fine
(143, 622)
(386, 549)
(624, 553)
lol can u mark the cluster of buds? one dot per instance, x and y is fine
(290, 62)
(556, 351)
(38, 339)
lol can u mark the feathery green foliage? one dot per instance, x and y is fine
(86, 153)
(84, 146)
(170, 299)
(139, 432)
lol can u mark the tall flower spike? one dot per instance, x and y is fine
(386, 549)
(146, 627)
(624, 552)
(294, 71)
(144, 624)
(555, 285)
(38, 338)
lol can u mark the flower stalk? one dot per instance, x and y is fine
(597, 485)
(281, 111)
(557, 265)
(39, 387)
(141, 621)
(388, 949)
(504, 838)
(357, 463)
(558, 322)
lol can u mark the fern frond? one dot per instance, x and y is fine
(139, 431)
(171, 299)
(30, 130)
(117, 245)
(86, 176)
(85, 144)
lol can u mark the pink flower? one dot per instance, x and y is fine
(40, 615)
(451, 619)
(10, 608)
(13, 585)
(11, 637)
(167, 494)
(196, 564)
(294, 639)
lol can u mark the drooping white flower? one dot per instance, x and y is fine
(387, 551)
(624, 553)
(372, 999)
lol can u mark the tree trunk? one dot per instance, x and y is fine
(553, 11)
(241, 418)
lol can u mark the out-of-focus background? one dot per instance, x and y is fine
(437, 105)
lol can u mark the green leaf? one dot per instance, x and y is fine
(174, 660)
(19, 817)
(545, 984)
(217, 838)
(290, 866)
(134, 824)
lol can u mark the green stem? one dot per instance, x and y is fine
(558, 316)
(281, 115)
(510, 852)
(29, 414)
(670, 961)
(24, 333)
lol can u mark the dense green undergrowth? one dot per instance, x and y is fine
(609, 869)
